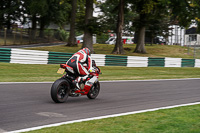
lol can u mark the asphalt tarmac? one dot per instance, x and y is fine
(25, 105)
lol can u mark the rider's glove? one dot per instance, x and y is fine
(92, 70)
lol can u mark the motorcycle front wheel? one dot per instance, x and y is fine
(94, 91)
(60, 90)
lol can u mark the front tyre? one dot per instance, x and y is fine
(94, 91)
(60, 90)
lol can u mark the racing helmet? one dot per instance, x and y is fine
(87, 51)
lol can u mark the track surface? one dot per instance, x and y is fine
(25, 105)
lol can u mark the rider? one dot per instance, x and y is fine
(77, 61)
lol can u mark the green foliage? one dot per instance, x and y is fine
(182, 12)
(46, 11)
(37, 6)
(49, 32)
(93, 26)
(156, 15)
(102, 38)
(51, 10)
(196, 5)
(80, 14)
(61, 12)
(62, 35)
(108, 21)
(9, 12)
(149, 6)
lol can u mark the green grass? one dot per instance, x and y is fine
(176, 120)
(152, 51)
(41, 73)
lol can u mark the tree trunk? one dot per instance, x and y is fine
(33, 31)
(1, 20)
(152, 40)
(118, 49)
(42, 25)
(1, 15)
(72, 36)
(34, 22)
(87, 39)
(140, 47)
(8, 22)
(141, 41)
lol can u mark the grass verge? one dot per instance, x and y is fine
(41, 73)
(176, 120)
(152, 51)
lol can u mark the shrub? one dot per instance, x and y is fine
(62, 35)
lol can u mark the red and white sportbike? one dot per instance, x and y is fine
(66, 85)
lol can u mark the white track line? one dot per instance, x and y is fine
(100, 117)
(26, 82)
(103, 81)
(150, 80)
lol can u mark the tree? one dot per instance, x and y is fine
(150, 11)
(46, 17)
(35, 9)
(156, 23)
(88, 35)
(197, 18)
(9, 12)
(109, 16)
(144, 10)
(46, 11)
(60, 12)
(57, 12)
(72, 35)
(183, 12)
(116, 18)
(118, 49)
(144, 14)
(2, 12)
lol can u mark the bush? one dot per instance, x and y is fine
(62, 35)
(102, 38)
(49, 32)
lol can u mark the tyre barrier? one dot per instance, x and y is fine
(46, 57)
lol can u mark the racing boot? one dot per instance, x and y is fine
(80, 82)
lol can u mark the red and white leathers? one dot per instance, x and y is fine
(78, 60)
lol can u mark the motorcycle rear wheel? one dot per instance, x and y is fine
(94, 91)
(60, 90)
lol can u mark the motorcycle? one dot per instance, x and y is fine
(66, 85)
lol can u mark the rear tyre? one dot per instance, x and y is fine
(60, 90)
(94, 91)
